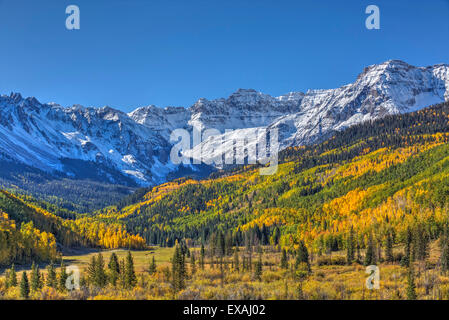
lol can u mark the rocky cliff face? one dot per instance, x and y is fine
(137, 145)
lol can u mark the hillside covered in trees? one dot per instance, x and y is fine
(28, 232)
(378, 179)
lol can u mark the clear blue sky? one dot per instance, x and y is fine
(130, 53)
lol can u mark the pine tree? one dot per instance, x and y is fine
(444, 245)
(178, 269)
(350, 248)
(221, 244)
(302, 256)
(264, 235)
(389, 248)
(407, 259)
(378, 246)
(100, 273)
(192, 263)
(203, 253)
(236, 259)
(92, 270)
(153, 268)
(369, 255)
(130, 274)
(228, 243)
(36, 279)
(357, 252)
(12, 277)
(421, 244)
(114, 269)
(284, 259)
(42, 278)
(52, 281)
(62, 278)
(445, 258)
(276, 235)
(411, 287)
(175, 268)
(24, 286)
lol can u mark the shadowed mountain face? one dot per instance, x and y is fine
(108, 146)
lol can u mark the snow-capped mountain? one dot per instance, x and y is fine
(304, 118)
(137, 145)
(389, 88)
(44, 135)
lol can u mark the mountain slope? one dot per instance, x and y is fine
(377, 177)
(111, 147)
(28, 232)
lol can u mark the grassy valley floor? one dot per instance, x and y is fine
(330, 278)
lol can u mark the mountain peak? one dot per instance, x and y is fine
(15, 97)
(388, 65)
(245, 91)
(396, 62)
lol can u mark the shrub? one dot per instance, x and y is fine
(270, 276)
(302, 271)
(328, 261)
